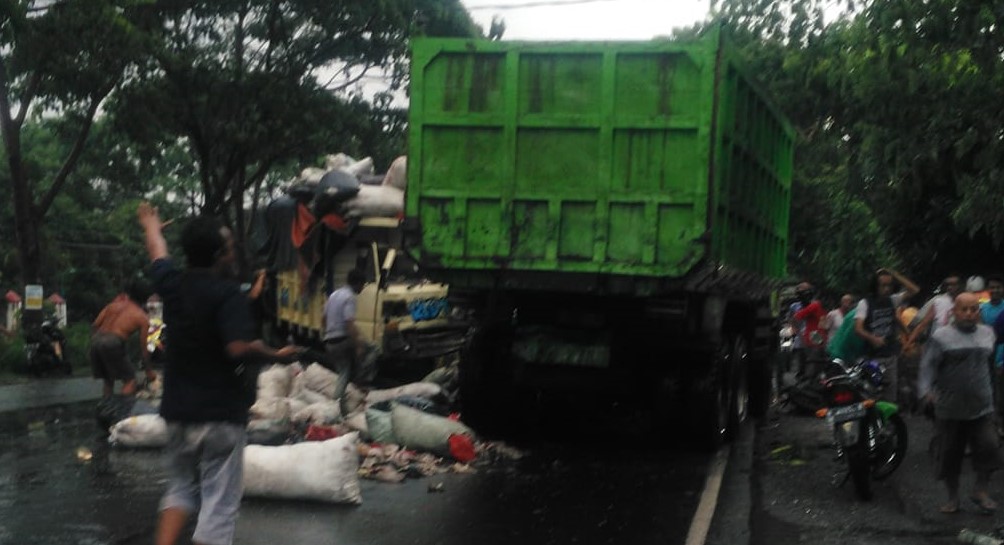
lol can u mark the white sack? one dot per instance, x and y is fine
(145, 430)
(375, 201)
(357, 421)
(296, 405)
(321, 414)
(320, 379)
(426, 432)
(271, 409)
(274, 382)
(338, 160)
(361, 167)
(309, 396)
(314, 470)
(427, 390)
(397, 174)
(354, 398)
(311, 175)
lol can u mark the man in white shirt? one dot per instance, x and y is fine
(835, 318)
(343, 343)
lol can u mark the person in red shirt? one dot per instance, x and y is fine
(813, 336)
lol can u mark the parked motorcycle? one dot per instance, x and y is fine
(45, 350)
(870, 434)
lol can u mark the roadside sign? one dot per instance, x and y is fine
(33, 297)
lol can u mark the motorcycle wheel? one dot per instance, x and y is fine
(860, 470)
(890, 447)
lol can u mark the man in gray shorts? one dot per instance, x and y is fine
(209, 378)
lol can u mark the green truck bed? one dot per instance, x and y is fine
(637, 159)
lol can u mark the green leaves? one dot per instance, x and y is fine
(900, 120)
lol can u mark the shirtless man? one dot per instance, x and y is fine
(109, 332)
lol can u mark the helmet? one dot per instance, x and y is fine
(975, 283)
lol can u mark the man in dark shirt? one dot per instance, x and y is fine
(209, 382)
(875, 322)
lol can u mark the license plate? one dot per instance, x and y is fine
(837, 415)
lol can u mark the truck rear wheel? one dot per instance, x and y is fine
(739, 368)
(485, 383)
(710, 398)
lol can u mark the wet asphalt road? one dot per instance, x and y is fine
(592, 485)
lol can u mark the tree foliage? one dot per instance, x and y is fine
(251, 86)
(60, 60)
(898, 157)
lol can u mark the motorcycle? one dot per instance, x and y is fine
(868, 433)
(45, 350)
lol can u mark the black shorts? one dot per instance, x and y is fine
(952, 436)
(108, 358)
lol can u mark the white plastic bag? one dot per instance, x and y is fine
(145, 430)
(314, 470)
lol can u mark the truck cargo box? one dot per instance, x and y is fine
(644, 161)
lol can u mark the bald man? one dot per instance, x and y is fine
(955, 379)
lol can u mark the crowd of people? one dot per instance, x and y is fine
(954, 342)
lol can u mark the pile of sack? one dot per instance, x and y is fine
(302, 446)
(363, 193)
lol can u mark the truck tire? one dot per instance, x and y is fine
(485, 383)
(760, 386)
(710, 398)
(739, 368)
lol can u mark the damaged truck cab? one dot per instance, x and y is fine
(402, 313)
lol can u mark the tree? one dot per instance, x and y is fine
(249, 86)
(896, 110)
(59, 60)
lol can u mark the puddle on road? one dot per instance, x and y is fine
(60, 482)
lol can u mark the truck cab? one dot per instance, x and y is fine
(403, 314)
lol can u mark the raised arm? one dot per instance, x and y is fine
(149, 220)
(909, 287)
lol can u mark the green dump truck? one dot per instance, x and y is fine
(613, 214)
